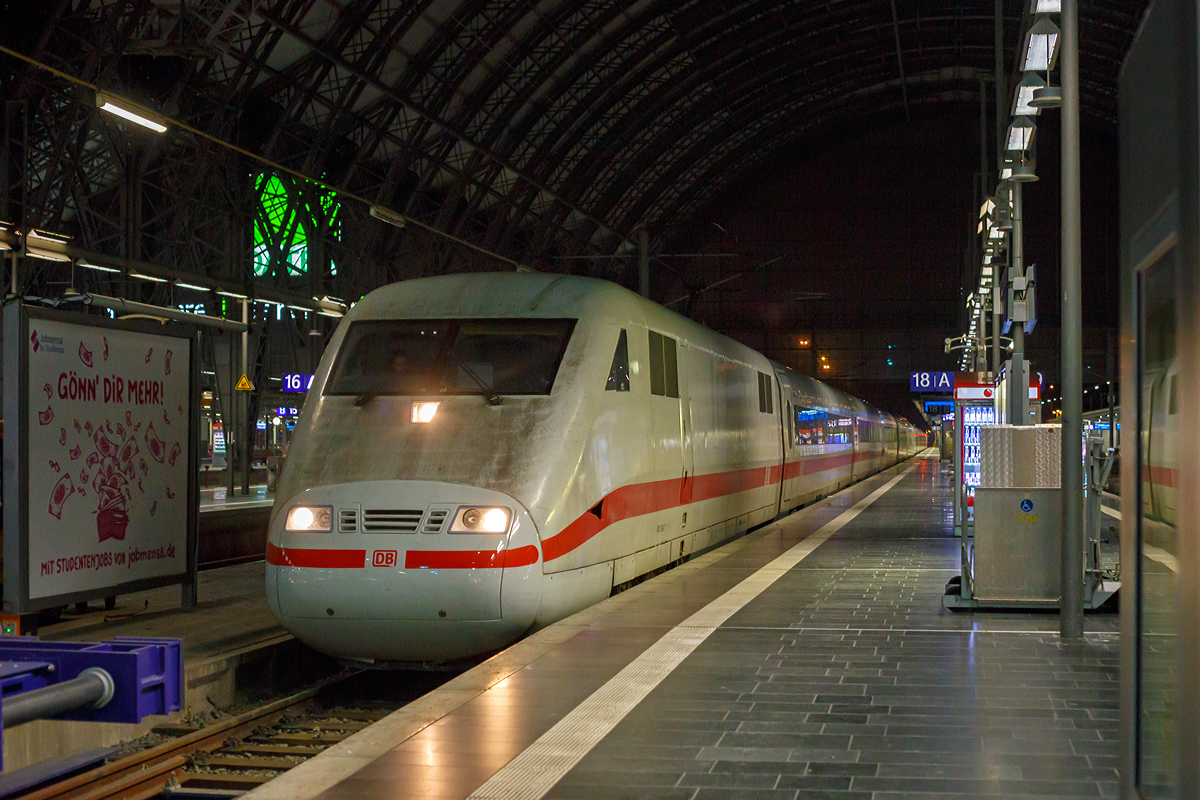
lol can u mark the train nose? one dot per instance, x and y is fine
(419, 570)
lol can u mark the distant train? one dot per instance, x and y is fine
(485, 454)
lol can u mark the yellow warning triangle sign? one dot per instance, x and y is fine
(244, 385)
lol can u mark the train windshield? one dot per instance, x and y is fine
(450, 357)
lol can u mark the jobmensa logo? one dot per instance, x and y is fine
(46, 343)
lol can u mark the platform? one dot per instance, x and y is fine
(217, 498)
(811, 658)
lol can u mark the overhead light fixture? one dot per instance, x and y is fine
(1041, 46)
(125, 110)
(191, 286)
(987, 272)
(389, 216)
(1020, 134)
(1045, 7)
(145, 277)
(97, 267)
(234, 295)
(47, 246)
(1023, 93)
(997, 234)
(1047, 97)
(1023, 173)
(5, 229)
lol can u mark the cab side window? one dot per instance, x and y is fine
(765, 404)
(664, 366)
(618, 374)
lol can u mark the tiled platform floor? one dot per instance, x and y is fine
(843, 679)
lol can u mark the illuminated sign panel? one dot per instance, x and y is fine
(296, 383)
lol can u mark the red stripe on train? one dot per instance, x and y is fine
(470, 559)
(639, 499)
(315, 558)
(1161, 476)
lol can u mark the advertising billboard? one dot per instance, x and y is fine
(102, 434)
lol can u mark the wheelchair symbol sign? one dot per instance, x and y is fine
(1027, 505)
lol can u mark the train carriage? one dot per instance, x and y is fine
(484, 454)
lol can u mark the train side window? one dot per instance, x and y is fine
(670, 368)
(791, 426)
(664, 369)
(1171, 398)
(657, 383)
(764, 394)
(769, 383)
(618, 374)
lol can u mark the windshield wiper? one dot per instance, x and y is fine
(369, 394)
(486, 391)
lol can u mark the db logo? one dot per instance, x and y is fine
(383, 558)
(987, 392)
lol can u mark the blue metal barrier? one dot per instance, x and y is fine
(123, 680)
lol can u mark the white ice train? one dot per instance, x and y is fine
(484, 454)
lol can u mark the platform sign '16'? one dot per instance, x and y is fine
(296, 383)
(931, 381)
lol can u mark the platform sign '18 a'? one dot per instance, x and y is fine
(931, 381)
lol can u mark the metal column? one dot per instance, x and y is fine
(1001, 105)
(976, 250)
(244, 403)
(1070, 624)
(1018, 398)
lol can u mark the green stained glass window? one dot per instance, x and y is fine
(284, 221)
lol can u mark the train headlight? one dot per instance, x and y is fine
(423, 412)
(310, 518)
(480, 520)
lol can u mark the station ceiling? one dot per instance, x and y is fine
(541, 132)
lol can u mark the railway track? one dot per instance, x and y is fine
(222, 758)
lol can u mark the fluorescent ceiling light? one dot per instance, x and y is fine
(143, 118)
(192, 286)
(1020, 134)
(47, 246)
(145, 277)
(97, 267)
(1046, 7)
(264, 301)
(388, 216)
(1041, 46)
(987, 272)
(234, 295)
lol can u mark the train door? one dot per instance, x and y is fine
(666, 411)
(685, 427)
(854, 447)
(786, 428)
